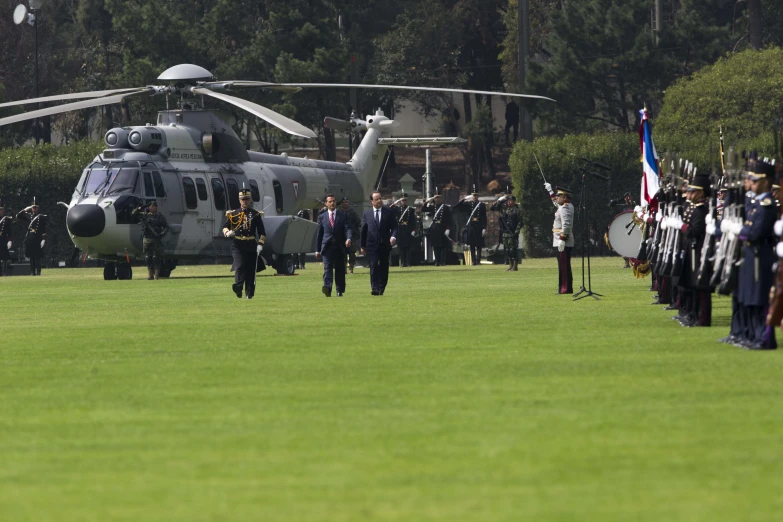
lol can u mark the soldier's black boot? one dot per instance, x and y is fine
(150, 274)
(515, 266)
(237, 288)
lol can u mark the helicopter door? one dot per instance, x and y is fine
(198, 218)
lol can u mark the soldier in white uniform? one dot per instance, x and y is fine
(563, 236)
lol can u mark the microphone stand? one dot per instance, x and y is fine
(587, 291)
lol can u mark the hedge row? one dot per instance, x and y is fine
(561, 159)
(49, 174)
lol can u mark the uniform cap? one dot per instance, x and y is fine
(244, 193)
(700, 182)
(562, 191)
(403, 195)
(757, 169)
(152, 203)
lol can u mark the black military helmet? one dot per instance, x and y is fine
(757, 168)
(700, 182)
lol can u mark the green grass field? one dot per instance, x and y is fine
(464, 394)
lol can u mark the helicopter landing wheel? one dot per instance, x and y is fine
(109, 271)
(285, 265)
(124, 271)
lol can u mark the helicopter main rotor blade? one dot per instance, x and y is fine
(278, 120)
(230, 84)
(410, 88)
(72, 96)
(70, 107)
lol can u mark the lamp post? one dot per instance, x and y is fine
(22, 15)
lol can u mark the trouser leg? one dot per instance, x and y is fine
(339, 271)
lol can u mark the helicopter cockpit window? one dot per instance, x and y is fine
(233, 193)
(125, 181)
(159, 191)
(191, 200)
(219, 192)
(254, 192)
(202, 189)
(96, 179)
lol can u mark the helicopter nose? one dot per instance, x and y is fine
(86, 220)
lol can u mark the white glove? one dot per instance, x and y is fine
(778, 229)
(724, 226)
(43, 242)
(663, 223)
(548, 187)
(230, 234)
(709, 219)
(502, 198)
(8, 245)
(259, 248)
(736, 228)
(484, 231)
(447, 232)
(413, 233)
(638, 210)
(658, 216)
(711, 229)
(560, 245)
(779, 249)
(677, 223)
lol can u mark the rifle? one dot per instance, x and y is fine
(708, 247)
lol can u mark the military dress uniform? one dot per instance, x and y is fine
(475, 228)
(511, 225)
(563, 241)
(155, 227)
(406, 228)
(439, 231)
(695, 307)
(5, 240)
(756, 276)
(35, 239)
(246, 228)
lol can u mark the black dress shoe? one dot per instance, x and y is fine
(670, 307)
(374, 292)
(249, 297)
(237, 288)
(339, 294)
(729, 339)
(327, 291)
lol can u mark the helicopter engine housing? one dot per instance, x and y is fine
(145, 139)
(117, 138)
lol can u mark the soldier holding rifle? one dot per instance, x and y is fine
(440, 230)
(758, 240)
(35, 240)
(406, 228)
(695, 307)
(476, 227)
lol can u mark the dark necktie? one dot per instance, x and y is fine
(378, 217)
(331, 219)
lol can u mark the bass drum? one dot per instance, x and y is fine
(623, 236)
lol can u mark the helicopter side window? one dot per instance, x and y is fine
(278, 196)
(159, 191)
(233, 193)
(149, 188)
(202, 189)
(220, 194)
(254, 192)
(125, 181)
(191, 200)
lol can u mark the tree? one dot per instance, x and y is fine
(742, 93)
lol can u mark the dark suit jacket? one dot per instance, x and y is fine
(326, 234)
(375, 236)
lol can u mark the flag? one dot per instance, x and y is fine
(650, 172)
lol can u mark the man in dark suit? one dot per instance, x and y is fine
(379, 235)
(333, 237)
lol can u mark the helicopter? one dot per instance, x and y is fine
(193, 164)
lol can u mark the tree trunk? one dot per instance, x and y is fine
(754, 29)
